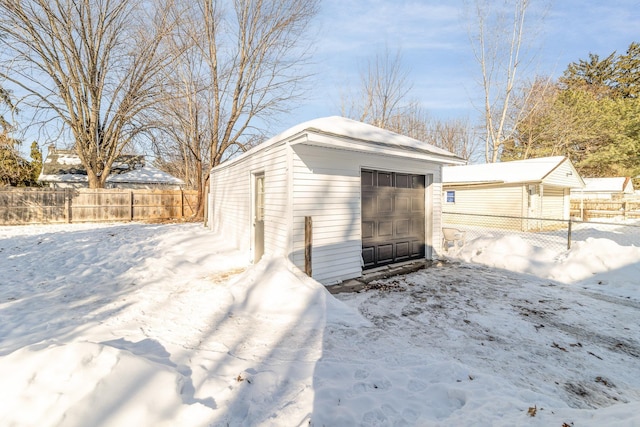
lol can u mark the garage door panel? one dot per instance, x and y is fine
(417, 248)
(417, 227)
(402, 204)
(366, 178)
(385, 253)
(402, 227)
(403, 181)
(368, 229)
(417, 204)
(368, 205)
(369, 256)
(392, 217)
(385, 205)
(385, 179)
(402, 250)
(385, 229)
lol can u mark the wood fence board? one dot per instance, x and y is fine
(594, 208)
(45, 205)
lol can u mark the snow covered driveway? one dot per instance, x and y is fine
(576, 345)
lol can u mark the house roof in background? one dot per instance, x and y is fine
(146, 175)
(67, 162)
(608, 185)
(65, 166)
(530, 170)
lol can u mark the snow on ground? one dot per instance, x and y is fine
(166, 324)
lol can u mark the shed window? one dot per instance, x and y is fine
(451, 196)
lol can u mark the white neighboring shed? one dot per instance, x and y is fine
(534, 188)
(373, 197)
(605, 188)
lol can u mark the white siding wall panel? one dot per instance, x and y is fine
(231, 210)
(553, 203)
(485, 200)
(488, 200)
(563, 176)
(326, 186)
(231, 190)
(436, 220)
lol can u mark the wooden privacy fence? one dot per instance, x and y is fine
(49, 205)
(594, 208)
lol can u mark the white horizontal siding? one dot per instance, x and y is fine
(326, 186)
(492, 200)
(231, 191)
(553, 203)
(488, 200)
(563, 176)
(231, 208)
(436, 223)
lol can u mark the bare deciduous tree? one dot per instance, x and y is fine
(454, 135)
(241, 64)
(532, 105)
(382, 100)
(89, 66)
(382, 94)
(498, 48)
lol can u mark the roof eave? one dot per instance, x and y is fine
(338, 141)
(475, 183)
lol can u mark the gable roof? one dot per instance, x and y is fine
(517, 171)
(65, 166)
(340, 132)
(618, 184)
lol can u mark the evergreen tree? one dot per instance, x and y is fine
(596, 75)
(592, 116)
(14, 169)
(36, 163)
(628, 72)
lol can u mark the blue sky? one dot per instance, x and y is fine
(433, 36)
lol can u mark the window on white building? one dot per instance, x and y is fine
(451, 196)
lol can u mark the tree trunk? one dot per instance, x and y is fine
(94, 180)
(202, 194)
(202, 197)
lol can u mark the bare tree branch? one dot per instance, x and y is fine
(382, 99)
(498, 49)
(239, 64)
(91, 65)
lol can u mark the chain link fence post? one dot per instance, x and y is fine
(569, 234)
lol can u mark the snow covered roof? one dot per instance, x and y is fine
(146, 175)
(616, 184)
(530, 170)
(65, 166)
(360, 136)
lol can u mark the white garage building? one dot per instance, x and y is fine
(368, 197)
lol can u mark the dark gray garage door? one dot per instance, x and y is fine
(392, 217)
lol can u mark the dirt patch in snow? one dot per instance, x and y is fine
(538, 334)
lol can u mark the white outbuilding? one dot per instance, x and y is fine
(510, 194)
(611, 188)
(334, 196)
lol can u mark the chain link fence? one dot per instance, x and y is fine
(553, 234)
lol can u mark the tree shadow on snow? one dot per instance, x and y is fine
(55, 285)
